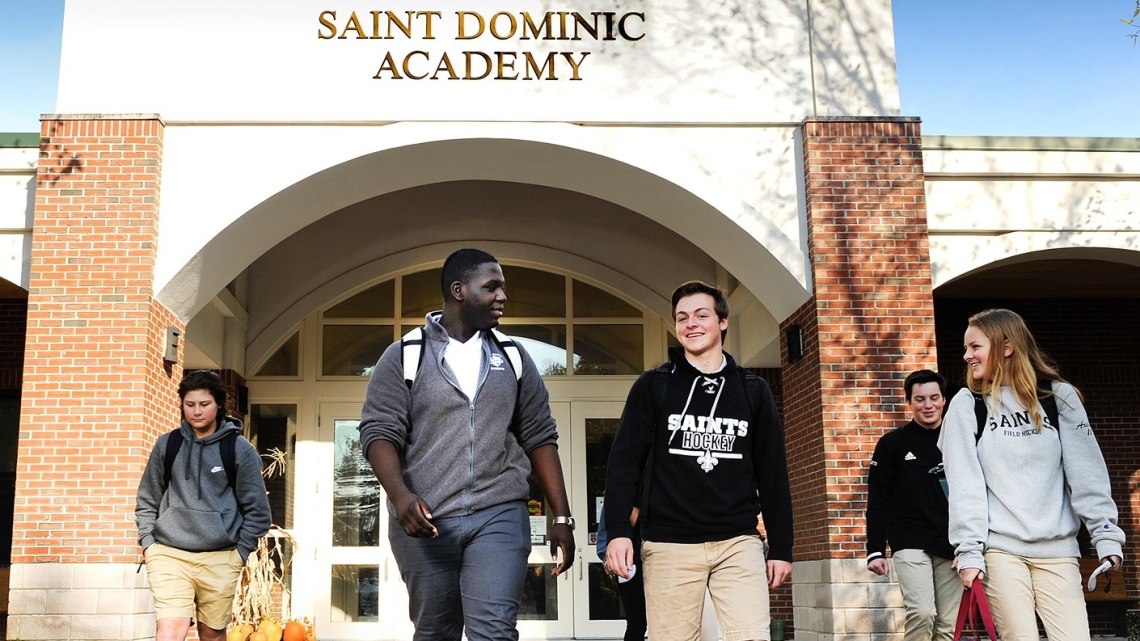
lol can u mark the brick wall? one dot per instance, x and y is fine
(873, 316)
(95, 390)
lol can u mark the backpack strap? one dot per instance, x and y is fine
(173, 444)
(1045, 396)
(659, 389)
(411, 351)
(228, 445)
(507, 344)
(227, 449)
(751, 392)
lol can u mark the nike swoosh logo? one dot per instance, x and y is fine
(217, 468)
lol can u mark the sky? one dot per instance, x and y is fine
(966, 67)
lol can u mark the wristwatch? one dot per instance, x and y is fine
(567, 520)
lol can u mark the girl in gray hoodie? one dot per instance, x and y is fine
(1020, 487)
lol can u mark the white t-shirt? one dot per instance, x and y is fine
(465, 360)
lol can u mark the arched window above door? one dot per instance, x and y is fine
(568, 326)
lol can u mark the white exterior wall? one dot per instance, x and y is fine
(265, 61)
(17, 200)
(992, 200)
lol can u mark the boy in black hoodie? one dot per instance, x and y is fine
(700, 450)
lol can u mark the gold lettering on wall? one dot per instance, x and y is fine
(498, 27)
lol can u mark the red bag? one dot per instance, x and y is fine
(974, 608)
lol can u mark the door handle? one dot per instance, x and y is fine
(581, 562)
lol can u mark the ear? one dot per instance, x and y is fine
(457, 291)
(723, 324)
(1008, 351)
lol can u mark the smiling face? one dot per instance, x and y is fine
(979, 351)
(698, 328)
(201, 411)
(484, 296)
(926, 403)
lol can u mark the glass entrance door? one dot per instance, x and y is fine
(360, 593)
(597, 609)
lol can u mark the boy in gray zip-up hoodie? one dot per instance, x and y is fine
(453, 452)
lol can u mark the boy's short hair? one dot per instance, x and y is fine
(921, 377)
(459, 267)
(204, 380)
(720, 301)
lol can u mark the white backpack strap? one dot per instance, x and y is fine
(412, 346)
(511, 349)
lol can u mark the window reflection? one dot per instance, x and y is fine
(605, 604)
(355, 593)
(352, 350)
(356, 331)
(356, 492)
(591, 302)
(531, 292)
(422, 293)
(546, 345)
(608, 350)
(540, 594)
(378, 301)
(274, 426)
(286, 361)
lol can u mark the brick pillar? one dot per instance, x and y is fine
(96, 392)
(869, 323)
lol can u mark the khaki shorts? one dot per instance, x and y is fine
(195, 585)
(735, 574)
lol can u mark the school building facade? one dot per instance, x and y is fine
(269, 189)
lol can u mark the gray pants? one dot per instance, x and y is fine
(470, 576)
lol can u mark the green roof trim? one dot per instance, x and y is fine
(30, 140)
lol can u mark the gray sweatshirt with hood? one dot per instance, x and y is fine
(199, 512)
(459, 455)
(1024, 490)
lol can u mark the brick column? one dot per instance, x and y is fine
(870, 322)
(96, 392)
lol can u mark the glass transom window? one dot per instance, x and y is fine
(569, 327)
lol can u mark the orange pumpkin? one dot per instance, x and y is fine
(258, 636)
(271, 628)
(294, 631)
(236, 635)
(246, 630)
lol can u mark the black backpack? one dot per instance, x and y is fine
(227, 445)
(1045, 396)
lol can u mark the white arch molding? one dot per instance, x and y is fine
(953, 257)
(209, 237)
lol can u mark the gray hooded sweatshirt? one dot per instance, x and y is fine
(199, 512)
(459, 455)
(1024, 490)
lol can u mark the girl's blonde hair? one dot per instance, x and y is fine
(1020, 370)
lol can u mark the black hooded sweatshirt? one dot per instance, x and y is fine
(714, 467)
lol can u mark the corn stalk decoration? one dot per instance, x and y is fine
(262, 584)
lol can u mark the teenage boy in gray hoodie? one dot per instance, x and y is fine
(453, 450)
(197, 531)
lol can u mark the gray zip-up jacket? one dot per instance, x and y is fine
(199, 512)
(459, 455)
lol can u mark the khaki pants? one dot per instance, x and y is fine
(734, 573)
(931, 593)
(1015, 584)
